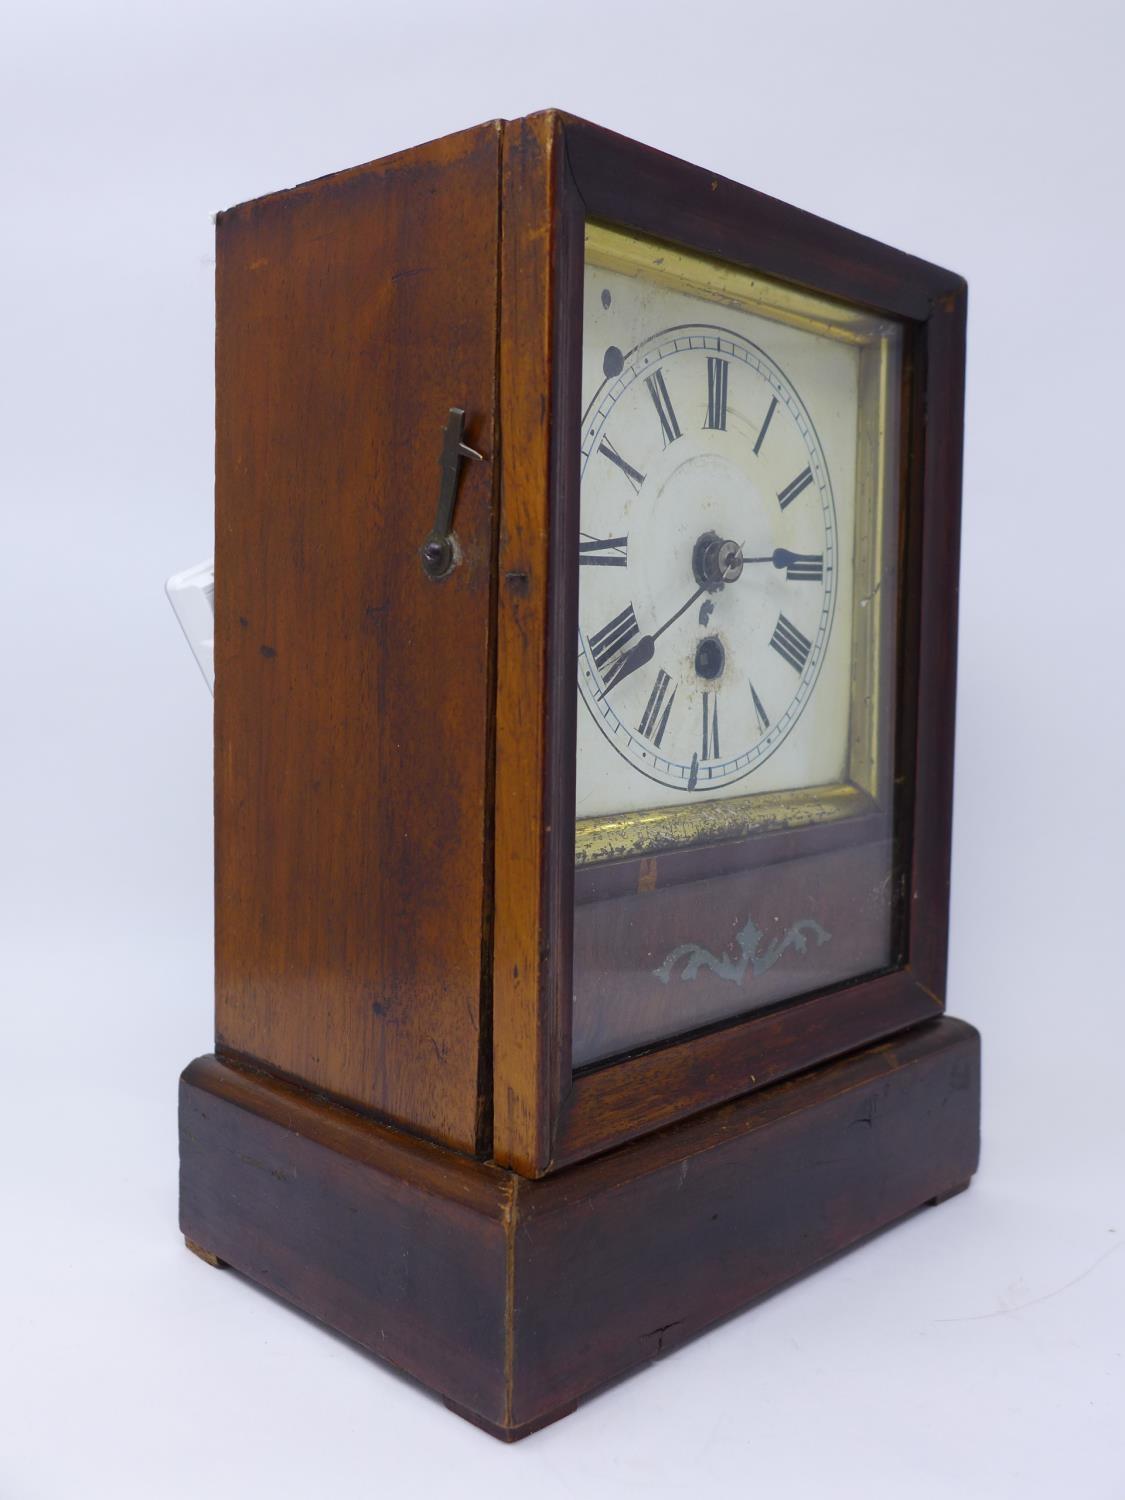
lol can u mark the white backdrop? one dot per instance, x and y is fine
(975, 1352)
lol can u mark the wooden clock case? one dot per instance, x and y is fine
(390, 1133)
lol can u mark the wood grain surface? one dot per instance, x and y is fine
(523, 1043)
(396, 918)
(353, 695)
(515, 1298)
(546, 1113)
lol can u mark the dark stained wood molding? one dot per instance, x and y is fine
(624, 182)
(522, 1296)
(525, 904)
(939, 575)
(609, 178)
(608, 1105)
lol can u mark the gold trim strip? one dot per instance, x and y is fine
(732, 286)
(627, 835)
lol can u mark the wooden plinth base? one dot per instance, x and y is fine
(515, 1298)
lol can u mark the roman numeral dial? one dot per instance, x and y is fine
(658, 390)
(794, 488)
(790, 644)
(759, 711)
(718, 371)
(634, 476)
(710, 727)
(708, 552)
(613, 638)
(765, 427)
(610, 552)
(805, 567)
(658, 709)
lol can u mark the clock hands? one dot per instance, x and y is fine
(781, 557)
(642, 652)
(715, 562)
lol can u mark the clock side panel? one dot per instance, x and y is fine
(352, 703)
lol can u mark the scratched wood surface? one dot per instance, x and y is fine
(353, 695)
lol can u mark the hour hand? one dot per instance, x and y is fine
(807, 565)
(781, 557)
(642, 652)
(630, 661)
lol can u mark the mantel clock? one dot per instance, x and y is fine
(585, 612)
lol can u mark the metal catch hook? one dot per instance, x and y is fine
(438, 556)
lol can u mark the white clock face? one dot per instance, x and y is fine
(717, 520)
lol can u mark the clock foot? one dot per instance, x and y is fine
(212, 1260)
(511, 1434)
(948, 1193)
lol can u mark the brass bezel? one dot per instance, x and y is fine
(867, 785)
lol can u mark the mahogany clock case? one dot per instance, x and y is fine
(394, 797)
(559, 174)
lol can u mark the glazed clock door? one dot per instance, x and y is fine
(735, 837)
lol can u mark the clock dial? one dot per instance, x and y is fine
(709, 557)
(715, 549)
(736, 607)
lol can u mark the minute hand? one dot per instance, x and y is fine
(642, 652)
